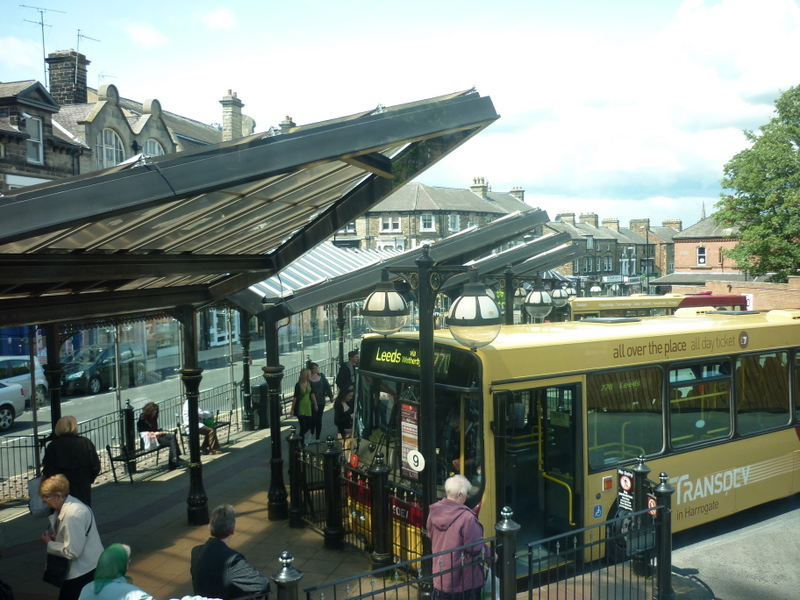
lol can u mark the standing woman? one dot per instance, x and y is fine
(73, 456)
(321, 390)
(149, 422)
(72, 534)
(304, 403)
(343, 414)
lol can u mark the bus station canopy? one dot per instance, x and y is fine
(193, 228)
(275, 299)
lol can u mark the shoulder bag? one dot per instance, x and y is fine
(56, 567)
(35, 503)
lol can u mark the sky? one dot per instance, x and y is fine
(625, 108)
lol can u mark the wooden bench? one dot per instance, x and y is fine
(131, 457)
(218, 425)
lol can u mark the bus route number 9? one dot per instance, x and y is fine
(415, 460)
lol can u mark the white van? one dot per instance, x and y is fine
(16, 369)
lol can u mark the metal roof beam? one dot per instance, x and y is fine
(36, 268)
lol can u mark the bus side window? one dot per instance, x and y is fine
(624, 415)
(704, 409)
(762, 394)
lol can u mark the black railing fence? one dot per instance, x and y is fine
(629, 556)
(18, 459)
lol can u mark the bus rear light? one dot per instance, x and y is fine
(608, 483)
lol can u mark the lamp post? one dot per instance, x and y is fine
(538, 303)
(474, 321)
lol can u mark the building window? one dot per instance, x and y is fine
(389, 246)
(35, 142)
(454, 223)
(576, 267)
(390, 223)
(609, 264)
(153, 148)
(110, 153)
(426, 223)
(349, 228)
(590, 242)
(701, 255)
(471, 221)
(589, 265)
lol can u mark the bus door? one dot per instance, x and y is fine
(537, 451)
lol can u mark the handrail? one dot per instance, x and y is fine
(569, 492)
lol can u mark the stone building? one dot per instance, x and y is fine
(74, 129)
(34, 148)
(622, 260)
(419, 214)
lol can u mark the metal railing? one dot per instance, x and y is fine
(614, 559)
(18, 456)
(405, 580)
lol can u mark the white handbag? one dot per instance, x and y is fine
(149, 440)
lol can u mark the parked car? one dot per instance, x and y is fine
(17, 369)
(12, 403)
(92, 368)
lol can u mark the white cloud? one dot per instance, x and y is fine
(146, 34)
(222, 18)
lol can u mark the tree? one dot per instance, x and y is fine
(765, 203)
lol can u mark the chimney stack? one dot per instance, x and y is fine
(589, 219)
(640, 226)
(518, 193)
(566, 218)
(67, 70)
(231, 116)
(480, 187)
(287, 124)
(675, 224)
(612, 223)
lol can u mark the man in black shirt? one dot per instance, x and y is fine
(346, 377)
(219, 571)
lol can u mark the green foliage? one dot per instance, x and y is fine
(765, 181)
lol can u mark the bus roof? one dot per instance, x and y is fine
(536, 350)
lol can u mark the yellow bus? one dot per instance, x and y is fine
(643, 305)
(541, 419)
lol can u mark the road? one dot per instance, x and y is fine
(750, 556)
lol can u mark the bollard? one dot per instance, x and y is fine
(296, 482)
(641, 472)
(129, 436)
(381, 514)
(287, 580)
(334, 532)
(506, 554)
(664, 493)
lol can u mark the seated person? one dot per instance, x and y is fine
(148, 422)
(210, 444)
(219, 571)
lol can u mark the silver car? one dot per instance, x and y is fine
(12, 403)
(16, 369)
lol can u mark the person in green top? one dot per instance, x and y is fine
(304, 404)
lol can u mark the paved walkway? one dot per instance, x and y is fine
(150, 515)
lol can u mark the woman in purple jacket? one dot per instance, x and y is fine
(452, 524)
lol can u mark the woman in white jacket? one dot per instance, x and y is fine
(72, 534)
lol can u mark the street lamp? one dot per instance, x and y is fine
(385, 310)
(595, 290)
(474, 320)
(538, 302)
